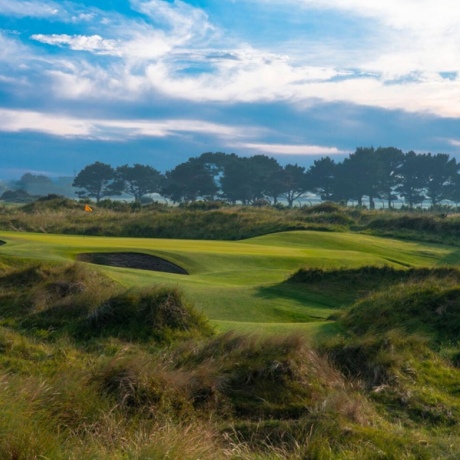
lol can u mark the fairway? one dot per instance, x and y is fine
(239, 284)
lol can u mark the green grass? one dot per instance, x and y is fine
(241, 282)
(104, 362)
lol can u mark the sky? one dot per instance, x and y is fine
(159, 81)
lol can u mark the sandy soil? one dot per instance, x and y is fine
(131, 260)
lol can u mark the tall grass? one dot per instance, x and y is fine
(216, 222)
(91, 372)
(228, 223)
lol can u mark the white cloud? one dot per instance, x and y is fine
(430, 15)
(171, 52)
(111, 129)
(289, 149)
(24, 8)
(184, 19)
(94, 43)
(405, 36)
(11, 49)
(18, 120)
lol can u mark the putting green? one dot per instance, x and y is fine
(237, 284)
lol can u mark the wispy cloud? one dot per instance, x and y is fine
(184, 19)
(454, 142)
(93, 43)
(32, 8)
(11, 49)
(114, 129)
(169, 53)
(289, 149)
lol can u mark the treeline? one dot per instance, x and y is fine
(386, 173)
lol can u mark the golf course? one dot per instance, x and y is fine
(241, 285)
(162, 341)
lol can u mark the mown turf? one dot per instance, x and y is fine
(242, 282)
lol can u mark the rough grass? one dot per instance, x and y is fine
(430, 307)
(89, 369)
(156, 313)
(213, 221)
(229, 223)
(73, 299)
(107, 394)
(351, 284)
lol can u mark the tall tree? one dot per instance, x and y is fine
(138, 180)
(97, 181)
(236, 181)
(323, 176)
(188, 181)
(295, 183)
(362, 171)
(390, 160)
(440, 172)
(36, 184)
(413, 179)
(248, 179)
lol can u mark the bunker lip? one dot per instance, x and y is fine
(135, 260)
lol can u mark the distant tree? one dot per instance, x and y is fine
(236, 181)
(413, 179)
(390, 160)
(215, 163)
(454, 189)
(295, 183)
(35, 184)
(276, 185)
(323, 178)
(440, 172)
(263, 169)
(189, 181)
(249, 179)
(97, 181)
(17, 196)
(138, 180)
(362, 173)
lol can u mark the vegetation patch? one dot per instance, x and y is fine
(90, 369)
(155, 313)
(431, 306)
(351, 284)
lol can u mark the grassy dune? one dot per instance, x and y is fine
(240, 284)
(104, 362)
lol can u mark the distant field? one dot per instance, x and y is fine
(239, 284)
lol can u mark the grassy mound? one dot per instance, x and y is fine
(155, 313)
(351, 284)
(52, 295)
(423, 226)
(73, 299)
(429, 307)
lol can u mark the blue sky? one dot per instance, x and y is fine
(156, 82)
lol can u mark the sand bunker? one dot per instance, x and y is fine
(131, 260)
